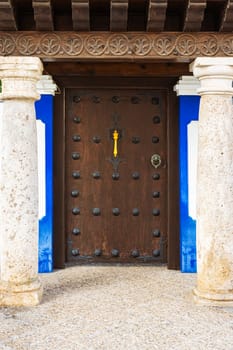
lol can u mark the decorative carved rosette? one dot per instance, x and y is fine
(7, 45)
(208, 45)
(164, 44)
(186, 45)
(50, 44)
(95, 45)
(118, 44)
(72, 44)
(27, 45)
(227, 45)
(141, 45)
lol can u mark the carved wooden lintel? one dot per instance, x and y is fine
(118, 46)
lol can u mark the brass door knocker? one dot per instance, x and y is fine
(156, 160)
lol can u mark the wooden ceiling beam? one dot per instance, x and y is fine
(81, 15)
(7, 16)
(119, 15)
(43, 14)
(194, 15)
(227, 18)
(156, 15)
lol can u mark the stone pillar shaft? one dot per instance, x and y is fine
(215, 182)
(19, 284)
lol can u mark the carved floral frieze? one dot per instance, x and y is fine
(112, 45)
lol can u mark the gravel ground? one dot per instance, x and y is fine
(117, 307)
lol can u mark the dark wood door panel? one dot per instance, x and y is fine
(114, 213)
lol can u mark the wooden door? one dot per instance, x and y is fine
(116, 175)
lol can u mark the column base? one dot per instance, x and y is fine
(20, 295)
(213, 299)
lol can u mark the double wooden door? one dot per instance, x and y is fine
(116, 175)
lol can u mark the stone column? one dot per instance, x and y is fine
(215, 182)
(19, 283)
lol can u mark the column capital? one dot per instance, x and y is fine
(19, 76)
(46, 85)
(215, 75)
(187, 86)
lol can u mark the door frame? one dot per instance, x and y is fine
(64, 82)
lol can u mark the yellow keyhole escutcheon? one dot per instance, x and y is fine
(115, 139)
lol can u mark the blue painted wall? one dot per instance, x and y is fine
(44, 112)
(188, 111)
